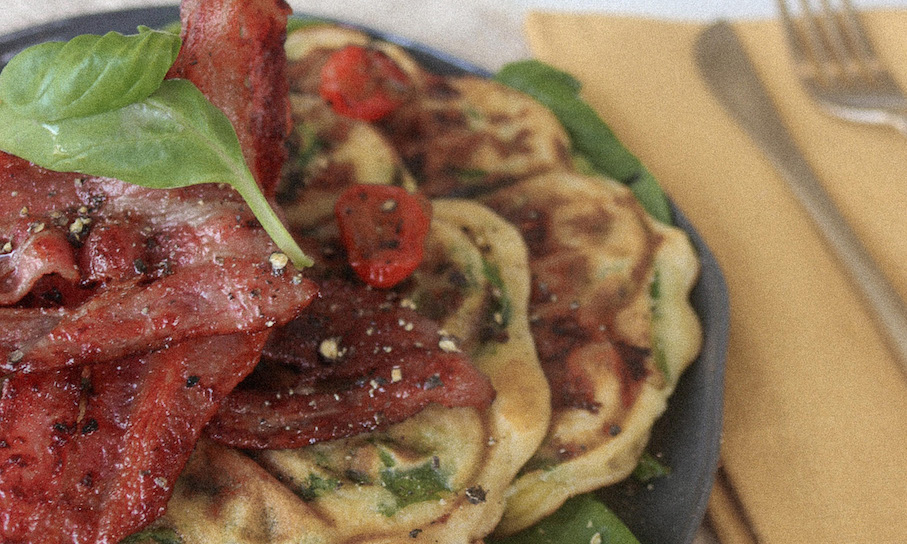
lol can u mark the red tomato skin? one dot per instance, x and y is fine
(383, 229)
(363, 83)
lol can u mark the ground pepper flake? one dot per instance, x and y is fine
(433, 382)
(475, 495)
(90, 426)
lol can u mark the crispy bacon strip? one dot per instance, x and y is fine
(336, 409)
(198, 301)
(96, 476)
(42, 254)
(233, 51)
(33, 408)
(365, 363)
(164, 265)
(29, 247)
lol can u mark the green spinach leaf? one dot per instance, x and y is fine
(590, 135)
(580, 520)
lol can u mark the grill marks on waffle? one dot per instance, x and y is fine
(466, 136)
(609, 309)
(571, 308)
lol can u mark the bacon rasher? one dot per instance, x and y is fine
(357, 361)
(173, 289)
(233, 52)
(99, 475)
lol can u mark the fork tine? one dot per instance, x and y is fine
(790, 28)
(837, 64)
(813, 33)
(830, 44)
(806, 39)
(856, 31)
(859, 37)
(800, 49)
(835, 36)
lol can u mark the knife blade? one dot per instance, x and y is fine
(729, 73)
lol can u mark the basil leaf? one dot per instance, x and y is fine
(559, 91)
(176, 27)
(87, 75)
(173, 129)
(295, 22)
(172, 138)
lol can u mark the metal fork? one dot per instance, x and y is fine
(839, 67)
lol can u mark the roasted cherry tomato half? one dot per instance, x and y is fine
(383, 229)
(363, 83)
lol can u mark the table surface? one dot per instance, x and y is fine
(23, 13)
(485, 32)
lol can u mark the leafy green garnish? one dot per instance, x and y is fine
(160, 536)
(316, 486)
(167, 135)
(386, 457)
(658, 349)
(470, 175)
(580, 520)
(649, 468)
(310, 146)
(423, 482)
(176, 27)
(295, 22)
(87, 75)
(590, 136)
(500, 307)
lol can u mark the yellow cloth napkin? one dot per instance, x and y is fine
(815, 436)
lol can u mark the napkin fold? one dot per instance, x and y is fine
(815, 435)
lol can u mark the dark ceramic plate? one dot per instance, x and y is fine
(687, 437)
